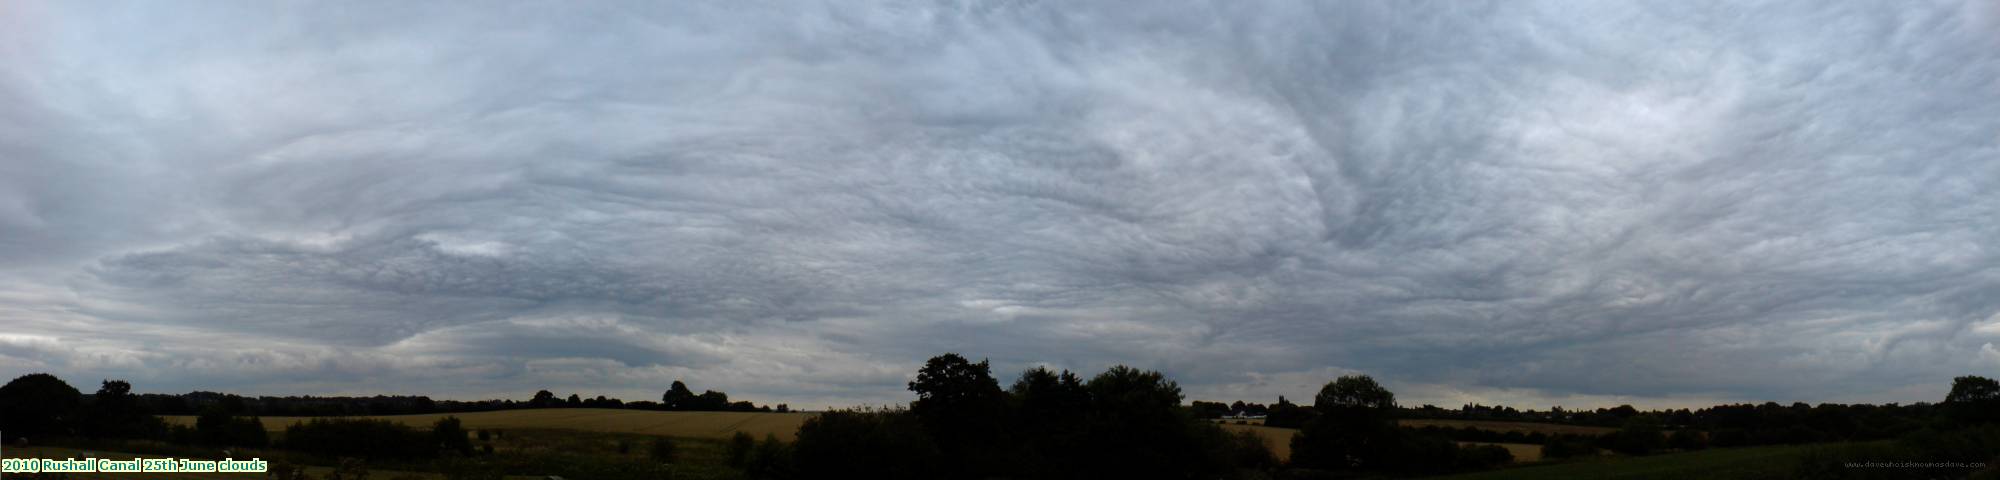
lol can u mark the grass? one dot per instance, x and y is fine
(717, 425)
(1722, 463)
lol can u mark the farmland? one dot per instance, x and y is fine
(715, 425)
(1278, 439)
(1506, 426)
(1280, 442)
(1722, 463)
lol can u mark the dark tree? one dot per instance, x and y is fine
(678, 397)
(1355, 429)
(216, 426)
(1354, 392)
(711, 401)
(1973, 399)
(962, 407)
(1286, 414)
(543, 399)
(37, 404)
(114, 412)
(1053, 409)
(449, 435)
(1139, 428)
(574, 401)
(887, 444)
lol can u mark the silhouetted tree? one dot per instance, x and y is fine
(37, 404)
(574, 401)
(1051, 408)
(885, 444)
(1286, 414)
(678, 397)
(1139, 428)
(114, 412)
(543, 399)
(215, 426)
(1974, 399)
(1354, 431)
(961, 406)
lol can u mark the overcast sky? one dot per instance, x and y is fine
(1529, 203)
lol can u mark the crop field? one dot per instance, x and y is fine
(1279, 440)
(1505, 426)
(1523, 452)
(646, 422)
(1720, 463)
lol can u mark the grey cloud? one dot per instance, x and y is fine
(1530, 201)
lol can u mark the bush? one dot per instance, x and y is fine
(349, 469)
(663, 450)
(772, 460)
(742, 443)
(215, 427)
(1566, 446)
(888, 444)
(1685, 439)
(357, 437)
(1480, 457)
(450, 437)
(466, 469)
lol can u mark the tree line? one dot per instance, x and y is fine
(194, 403)
(1122, 423)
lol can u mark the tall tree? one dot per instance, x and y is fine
(678, 397)
(962, 407)
(1355, 429)
(114, 412)
(1974, 399)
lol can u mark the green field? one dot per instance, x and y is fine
(1721, 463)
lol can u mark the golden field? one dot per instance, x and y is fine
(1505, 426)
(646, 422)
(1280, 440)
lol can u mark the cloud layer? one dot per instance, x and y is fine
(1523, 202)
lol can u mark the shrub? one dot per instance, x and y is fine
(742, 443)
(887, 444)
(1478, 457)
(450, 437)
(356, 437)
(1566, 446)
(663, 450)
(349, 469)
(772, 460)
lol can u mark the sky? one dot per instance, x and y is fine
(1529, 203)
